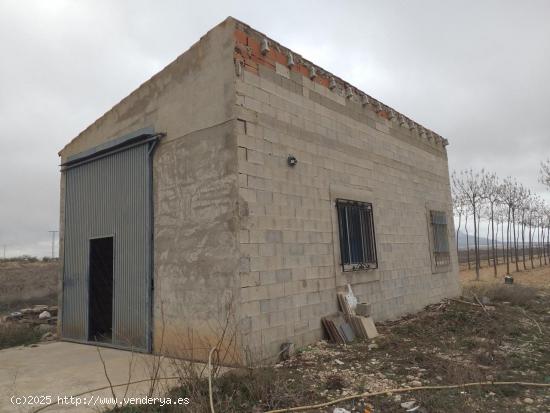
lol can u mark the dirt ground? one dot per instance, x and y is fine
(449, 343)
(538, 277)
(27, 283)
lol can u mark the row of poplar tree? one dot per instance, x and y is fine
(519, 216)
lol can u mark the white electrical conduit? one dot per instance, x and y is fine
(210, 379)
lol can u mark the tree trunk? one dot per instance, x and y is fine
(478, 253)
(493, 240)
(502, 242)
(515, 240)
(508, 244)
(544, 246)
(476, 246)
(540, 255)
(531, 244)
(487, 246)
(457, 232)
(467, 242)
(523, 240)
(496, 245)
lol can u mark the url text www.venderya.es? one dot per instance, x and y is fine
(97, 401)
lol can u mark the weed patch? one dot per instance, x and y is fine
(12, 335)
(450, 343)
(515, 294)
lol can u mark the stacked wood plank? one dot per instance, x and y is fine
(346, 325)
(332, 326)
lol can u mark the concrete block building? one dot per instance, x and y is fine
(227, 199)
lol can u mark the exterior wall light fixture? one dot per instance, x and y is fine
(291, 161)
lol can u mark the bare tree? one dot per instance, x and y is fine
(520, 194)
(509, 191)
(540, 217)
(524, 206)
(532, 220)
(491, 190)
(459, 210)
(544, 218)
(495, 242)
(487, 214)
(468, 185)
(502, 219)
(466, 214)
(545, 179)
(502, 204)
(477, 232)
(547, 212)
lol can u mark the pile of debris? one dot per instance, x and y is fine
(41, 317)
(354, 321)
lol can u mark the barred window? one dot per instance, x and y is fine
(357, 241)
(440, 238)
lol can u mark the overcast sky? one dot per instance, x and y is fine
(476, 72)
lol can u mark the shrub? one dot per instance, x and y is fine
(516, 294)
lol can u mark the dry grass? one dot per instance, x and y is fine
(237, 391)
(515, 294)
(12, 335)
(447, 343)
(23, 283)
(539, 277)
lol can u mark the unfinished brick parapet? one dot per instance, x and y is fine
(248, 56)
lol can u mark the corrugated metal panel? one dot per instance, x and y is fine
(109, 197)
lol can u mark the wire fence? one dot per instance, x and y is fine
(486, 254)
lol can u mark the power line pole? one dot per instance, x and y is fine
(53, 242)
(4, 251)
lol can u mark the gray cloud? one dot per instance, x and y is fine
(475, 72)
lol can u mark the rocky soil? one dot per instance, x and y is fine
(453, 342)
(42, 319)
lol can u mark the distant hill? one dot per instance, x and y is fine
(462, 240)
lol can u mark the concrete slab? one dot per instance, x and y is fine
(61, 369)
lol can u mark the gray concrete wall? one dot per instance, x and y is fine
(196, 246)
(290, 259)
(195, 189)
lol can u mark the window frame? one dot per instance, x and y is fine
(439, 264)
(365, 226)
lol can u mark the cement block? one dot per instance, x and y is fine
(363, 309)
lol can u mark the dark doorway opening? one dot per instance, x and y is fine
(101, 290)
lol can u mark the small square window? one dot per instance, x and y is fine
(438, 220)
(357, 240)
